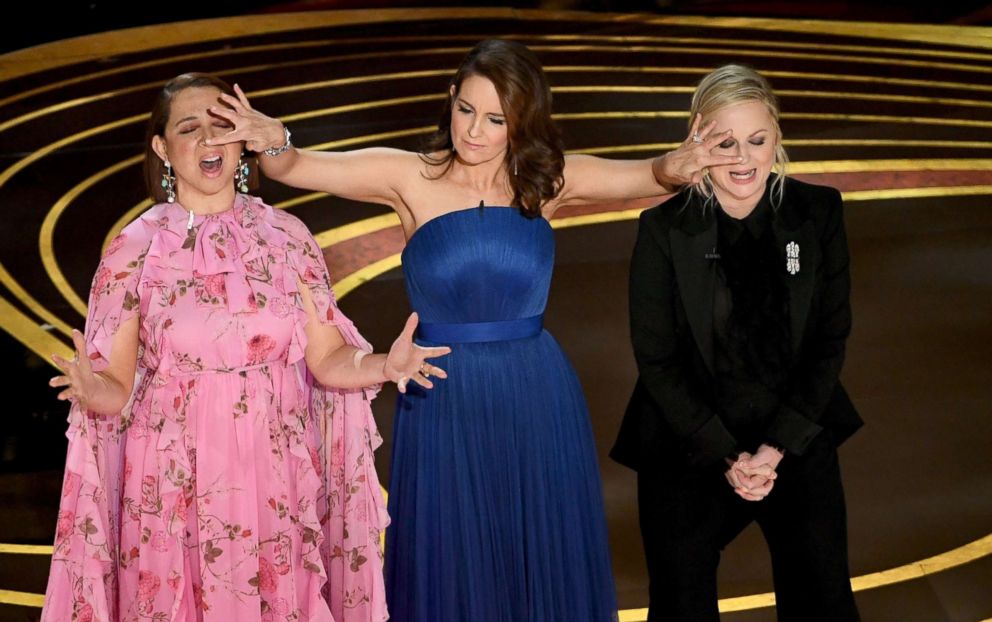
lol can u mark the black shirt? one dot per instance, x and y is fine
(750, 322)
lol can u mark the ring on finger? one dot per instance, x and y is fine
(425, 370)
(696, 138)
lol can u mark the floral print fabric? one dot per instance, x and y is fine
(232, 486)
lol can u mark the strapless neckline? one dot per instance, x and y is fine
(443, 216)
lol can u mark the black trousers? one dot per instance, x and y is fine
(689, 515)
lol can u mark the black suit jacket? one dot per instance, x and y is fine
(671, 417)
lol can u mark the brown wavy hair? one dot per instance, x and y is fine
(159, 119)
(534, 157)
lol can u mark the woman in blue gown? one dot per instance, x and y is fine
(495, 499)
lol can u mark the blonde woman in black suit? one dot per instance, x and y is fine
(739, 305)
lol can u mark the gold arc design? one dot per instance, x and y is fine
(772, 73)
(46, 244)
(471, 38)
(5, 277)
(62, 106)
(673, 49)
(81, 49)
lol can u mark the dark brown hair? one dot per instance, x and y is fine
(154, 167)
(534, 158)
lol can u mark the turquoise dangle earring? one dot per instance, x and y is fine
(241, 176)
(169, 183)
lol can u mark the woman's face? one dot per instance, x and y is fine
(478, 125)
(200, 171)
(739, 187)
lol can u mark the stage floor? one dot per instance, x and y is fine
(897, 117)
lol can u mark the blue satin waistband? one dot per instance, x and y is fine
(478, 332)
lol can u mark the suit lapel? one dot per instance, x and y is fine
(693, 247)
(788, 230)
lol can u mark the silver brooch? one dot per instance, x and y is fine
(792, 258)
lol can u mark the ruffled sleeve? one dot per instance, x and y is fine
(82, 583)
(356, 510)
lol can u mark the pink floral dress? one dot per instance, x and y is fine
(231, 487)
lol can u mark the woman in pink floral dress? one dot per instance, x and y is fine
(211, 475)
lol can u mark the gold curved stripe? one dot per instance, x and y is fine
(29, 333)
(62, 106)
(46, 247)
(363, 275)
(23, 599)
(806, 142)
(737, 53)
(783, 93)
(5, 277)
(33, 305)
(773, 73)
(957, 36)
(885, 142)
(903, 164)
(358, 140)
(806, 116)
(471, 38)
(882, 118)
(91, 47)
(916, 193)
(357, 229)
(788, 45)
(26, 549)
(134, 40)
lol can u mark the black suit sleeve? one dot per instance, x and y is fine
(655, 334)
(813, 380)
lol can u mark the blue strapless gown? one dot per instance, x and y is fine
(495, 496)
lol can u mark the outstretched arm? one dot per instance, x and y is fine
(590, 179)
(372, 175)
(336, 364)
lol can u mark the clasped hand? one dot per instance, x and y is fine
(752, 476)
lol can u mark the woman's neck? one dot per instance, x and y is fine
(202, 204)
(485, 178)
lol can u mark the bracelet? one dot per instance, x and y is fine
(275, 151)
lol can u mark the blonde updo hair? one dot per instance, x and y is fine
(727, 86)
